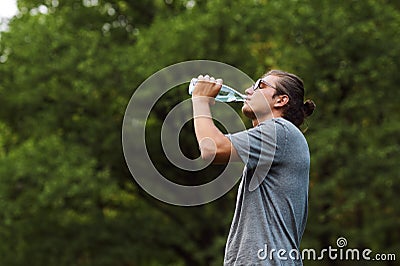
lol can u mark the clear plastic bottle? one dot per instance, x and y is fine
(226, 94)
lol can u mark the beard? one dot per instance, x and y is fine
(248, 112)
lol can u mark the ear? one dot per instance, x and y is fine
(281, 100)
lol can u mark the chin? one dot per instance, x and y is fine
(246, 110)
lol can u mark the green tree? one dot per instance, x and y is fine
(66, 76)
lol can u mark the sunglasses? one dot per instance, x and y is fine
(262, 84)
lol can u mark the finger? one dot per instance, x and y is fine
(200, 77)
(207, 77)
(212, 79)
(219, 81)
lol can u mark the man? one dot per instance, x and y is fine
(271, 207)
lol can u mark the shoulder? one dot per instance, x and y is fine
(277, 125)
(291, 135)
(285, 126)
(283, 130)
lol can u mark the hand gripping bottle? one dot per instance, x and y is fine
(226, 94)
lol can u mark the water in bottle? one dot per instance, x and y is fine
(226, 94)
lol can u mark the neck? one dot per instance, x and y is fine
(265, 117)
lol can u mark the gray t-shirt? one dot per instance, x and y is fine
(271, 206)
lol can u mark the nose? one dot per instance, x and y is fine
(249, 91)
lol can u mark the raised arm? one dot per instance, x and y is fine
(213, 144)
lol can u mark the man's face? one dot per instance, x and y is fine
(260, 101)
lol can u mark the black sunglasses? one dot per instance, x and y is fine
(258, 83)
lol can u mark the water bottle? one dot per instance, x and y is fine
(226, 94)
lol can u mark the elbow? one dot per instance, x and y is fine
(216, 151)
(207, 155)
(208, 149)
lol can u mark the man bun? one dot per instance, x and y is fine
(308, 107)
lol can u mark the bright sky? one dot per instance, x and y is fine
(8, 8)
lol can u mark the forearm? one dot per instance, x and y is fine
(213, 144)
(211, 140)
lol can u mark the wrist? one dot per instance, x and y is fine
(202, 100)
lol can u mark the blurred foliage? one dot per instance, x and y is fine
(68, 69)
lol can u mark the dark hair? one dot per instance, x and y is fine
(291, 85)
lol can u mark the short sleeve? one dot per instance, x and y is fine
(256, 148)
